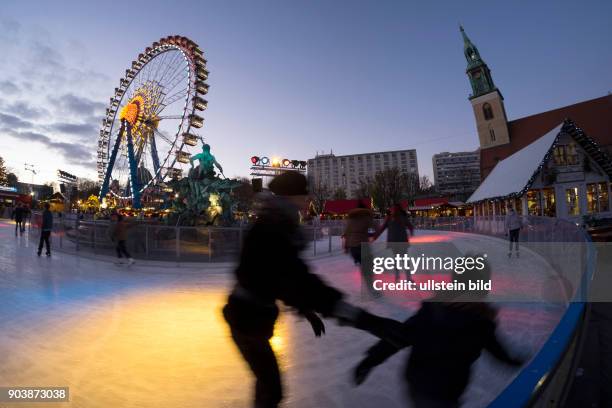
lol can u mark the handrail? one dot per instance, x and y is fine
(524, 390)
(533, 379)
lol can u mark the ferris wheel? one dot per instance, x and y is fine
(148, 134)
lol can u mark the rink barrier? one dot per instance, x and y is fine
(545, 380)
(147, 240)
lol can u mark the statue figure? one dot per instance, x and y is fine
(207, 163)
(203, 195)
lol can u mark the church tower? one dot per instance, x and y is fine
(487, 101)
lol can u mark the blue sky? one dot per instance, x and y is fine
(290, 78)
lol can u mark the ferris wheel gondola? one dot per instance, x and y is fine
(148, 131)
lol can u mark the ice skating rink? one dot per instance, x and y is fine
(152, 335)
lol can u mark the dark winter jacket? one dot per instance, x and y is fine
(119, 231)
(47, 221)
(397, 226)
(270, 269)
(20, 214)
(446, 338)
(358, 222)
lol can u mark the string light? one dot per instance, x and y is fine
(570, 128)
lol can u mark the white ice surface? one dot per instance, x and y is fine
(153, 336)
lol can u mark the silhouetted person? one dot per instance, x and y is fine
(45, 230)
(19, 215)
(397, 225)
(513, 224)
(447, 335)
(359, 221)
(119, 236)
(270, 269)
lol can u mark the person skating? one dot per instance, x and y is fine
(357, 233)
(45, 230)
(447, 336)
(270, 269)
(119, 232)
(19, 215)
(513, 224)
(397, 225)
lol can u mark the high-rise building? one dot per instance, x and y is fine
(347, 172)
(456, 173)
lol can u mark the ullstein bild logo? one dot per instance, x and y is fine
(413, 264)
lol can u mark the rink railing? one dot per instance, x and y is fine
(545, 381)
(170, 243)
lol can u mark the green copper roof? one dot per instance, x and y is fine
(471, 52)
(477, 70)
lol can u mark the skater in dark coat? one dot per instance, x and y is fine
(119, 235)
(19, 214)
(447, 335)
(45, 230)
(397, 224)
(270, 269)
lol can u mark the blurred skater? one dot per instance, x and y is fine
(513, 224)
(357, 233)
(397, 225)
(45, 231)
(119, 236)
(270, 268)
(19, 215)
(447, 335)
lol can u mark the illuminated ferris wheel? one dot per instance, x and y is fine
(148, 134)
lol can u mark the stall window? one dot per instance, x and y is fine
(548, 201)
(571, 200)
(534, 204)
(604, 198)
(592, 198)
(518, 206)
(503, 207)
(597, 198)
(565, 155)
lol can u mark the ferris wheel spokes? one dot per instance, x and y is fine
(149, 119)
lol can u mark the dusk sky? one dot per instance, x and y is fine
(290, 78)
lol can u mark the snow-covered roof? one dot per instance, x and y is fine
(512, 174)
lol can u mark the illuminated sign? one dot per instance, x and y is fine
(277, 162)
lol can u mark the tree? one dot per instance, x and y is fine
(319, 194)
(244, 195)
(12, 179)
(3, 174)
(425, 185)
(339, 194)
(87, 187)
(389, 187)
(363, 188)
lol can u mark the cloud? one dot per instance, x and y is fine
(78, 105)
(25, 110)
(9, 88)
(9, 121)
(78, 129)
(74, 153)
(9, 29)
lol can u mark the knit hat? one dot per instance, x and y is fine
(289, 183)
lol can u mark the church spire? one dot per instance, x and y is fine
(477, 70)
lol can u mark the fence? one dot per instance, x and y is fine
(169, 243)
